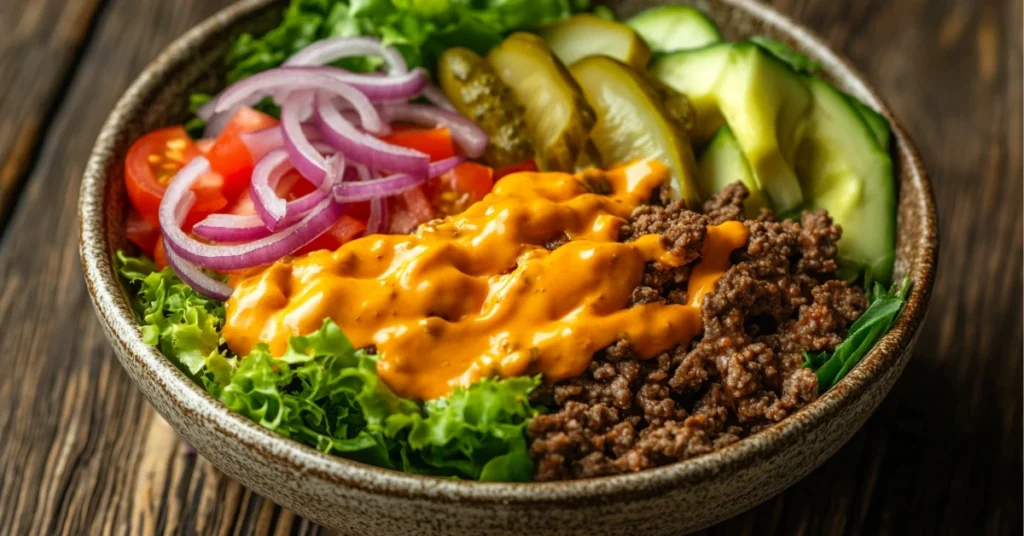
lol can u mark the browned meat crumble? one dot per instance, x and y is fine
(779, 299)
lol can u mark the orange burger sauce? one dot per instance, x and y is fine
(477, 295)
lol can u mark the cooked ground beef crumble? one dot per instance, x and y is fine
(778, 300)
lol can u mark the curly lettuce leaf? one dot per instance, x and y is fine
(325, 393)
(420, 29)
(476, 433)
(182, 323)
(862, 336)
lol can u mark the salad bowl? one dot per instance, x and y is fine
(359, 499)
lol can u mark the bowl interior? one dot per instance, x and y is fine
(194, 63)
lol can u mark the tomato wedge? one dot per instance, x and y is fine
(409, 209)
(160, 254)
(229, 155)
(527, 165)
(344, 230)
(140, 231)
(435, 142)
(456, 190)
(152, 162)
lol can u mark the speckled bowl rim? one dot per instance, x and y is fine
(114, 311)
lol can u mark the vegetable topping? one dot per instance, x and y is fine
(392, 238)
(464, 299)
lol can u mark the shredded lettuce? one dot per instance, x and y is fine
(183, 324)
(420, 29)
(861, 338)
(325, 393)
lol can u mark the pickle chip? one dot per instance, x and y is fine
(557, 114)
(632, 123)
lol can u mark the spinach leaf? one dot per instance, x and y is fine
(862, 336)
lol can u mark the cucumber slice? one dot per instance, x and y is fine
(695, 73)
(670, 28)
(723, 163)
(877, 122)
(844, 170)
(758, 96)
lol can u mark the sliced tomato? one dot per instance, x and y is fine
(435, 142)
(152, 162)
(140, 231)
(204, 144)
(346, 229)
(527, 165)
(456, 190)
(291, 186)
(229, 156)
(160, 254)
(409, 209)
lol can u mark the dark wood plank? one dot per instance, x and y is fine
(40, 43)
(81, 451)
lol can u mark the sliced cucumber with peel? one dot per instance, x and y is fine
(761, 99)
(877, 122)
(723, 163)
(671, 28)
(845, 171)
(806, 144)
(695, 74)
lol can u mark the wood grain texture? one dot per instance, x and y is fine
(82, 452)
(40, 44)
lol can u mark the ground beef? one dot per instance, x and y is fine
(743, 374)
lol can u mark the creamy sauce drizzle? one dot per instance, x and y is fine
(477, 295)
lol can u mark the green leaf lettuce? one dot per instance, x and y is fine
(325, 393)
(862, 336)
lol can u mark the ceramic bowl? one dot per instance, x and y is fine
(359, 499)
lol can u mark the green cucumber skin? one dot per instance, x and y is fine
(879, 125)
(837, 147)
(855, 183)
(671, 28)
(710, 61)
(721, 164)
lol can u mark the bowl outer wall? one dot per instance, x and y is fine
(359, 499)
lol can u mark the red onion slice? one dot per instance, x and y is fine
(269, 171)
(310, 163)
(435, 96)
(215, 125)
(378, 88)
(365, 149)
(179, 199)
(230, 228)
(378, 216)
(350, 192)
(195, 278)
(265, 175)
(468, 136)
(261, 142)
(331, 50)
(284, 81)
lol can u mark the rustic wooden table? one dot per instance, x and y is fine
(82, 452)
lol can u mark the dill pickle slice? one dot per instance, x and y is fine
(678, 107)
(585, 35)
(557, 115)
(632, 123)
(475, 90)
